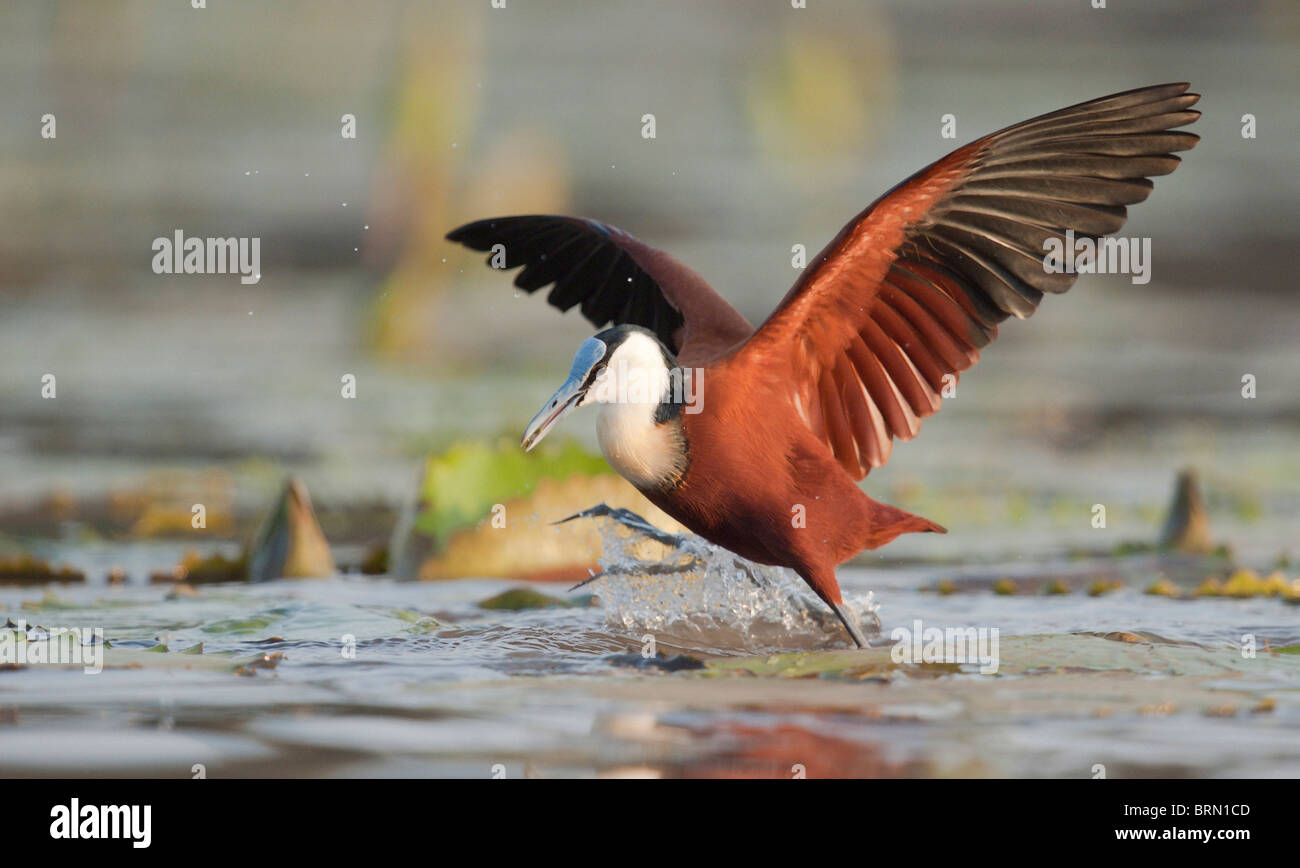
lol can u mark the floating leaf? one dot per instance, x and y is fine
(517, 599)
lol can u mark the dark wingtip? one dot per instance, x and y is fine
(458, 235)
(475, 232)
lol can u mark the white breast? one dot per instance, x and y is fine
(645, 454)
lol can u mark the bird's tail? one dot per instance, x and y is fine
(887, 522)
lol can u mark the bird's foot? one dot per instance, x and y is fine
(644, 569)
(747, 568)
(638, 525)
(630, 520)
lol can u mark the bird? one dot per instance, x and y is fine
(757, 438)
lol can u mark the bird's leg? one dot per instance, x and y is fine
(628, 519)
(641, 569)
(822, 581)
(588, 581)
(850, 622)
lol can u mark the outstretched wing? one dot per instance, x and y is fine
(614, 277)
(914, 286)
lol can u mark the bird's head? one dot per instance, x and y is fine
(625, 364)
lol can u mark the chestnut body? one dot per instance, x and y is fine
(774, 496)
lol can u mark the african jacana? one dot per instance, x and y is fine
(794, 413)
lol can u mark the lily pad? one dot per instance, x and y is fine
(517, 599)
(251, 624)
(527, 543)
(1134, 652)
(420, 622)
(463, 483)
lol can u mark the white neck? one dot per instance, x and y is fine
(645, 453)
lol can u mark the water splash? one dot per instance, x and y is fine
(687, 592)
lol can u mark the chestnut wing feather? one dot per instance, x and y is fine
(908, 292)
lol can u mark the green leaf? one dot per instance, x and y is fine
(517, 599)
(463, 483)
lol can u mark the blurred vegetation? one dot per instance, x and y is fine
(462, 484)
(821, 95)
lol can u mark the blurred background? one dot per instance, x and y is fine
(774, 125)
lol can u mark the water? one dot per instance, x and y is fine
(440, 686)
(689, 594)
